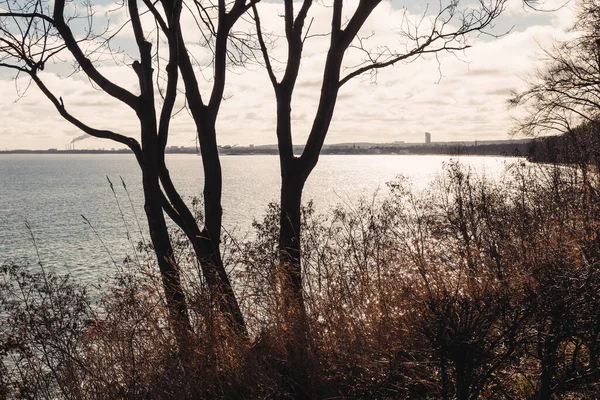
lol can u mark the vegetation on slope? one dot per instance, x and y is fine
(469, 289)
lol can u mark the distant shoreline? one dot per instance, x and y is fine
(505, 148)
(124, 151)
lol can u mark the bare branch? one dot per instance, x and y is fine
(438, 37)
(99, 133)
(263, 48)
(109, 87)
(172, 77)
(157, 17)
(28, 16)
(566, 92)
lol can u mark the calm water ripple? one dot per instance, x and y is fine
(51, 192)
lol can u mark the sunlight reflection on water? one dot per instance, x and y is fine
(51, 192)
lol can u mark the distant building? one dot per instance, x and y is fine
(427, 138)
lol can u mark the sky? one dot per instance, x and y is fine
(457, 97)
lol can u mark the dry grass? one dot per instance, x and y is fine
(470, 289)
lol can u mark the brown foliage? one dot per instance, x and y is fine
(469, 289)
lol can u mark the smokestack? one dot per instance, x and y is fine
(78, 138)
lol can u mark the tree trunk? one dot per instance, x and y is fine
(295, 321)
(289, 236)
(463, 380)
(164, 253)
(207, 244)
(203, 249)
(153, 205)
(444, 377)
(594, 346)
(548, 367)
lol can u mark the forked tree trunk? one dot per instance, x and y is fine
(153, 206)
(205, 240)
(159, 235)
(166, 260)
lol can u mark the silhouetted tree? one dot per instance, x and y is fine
(447, 29)
(566, 91)
(36, 33)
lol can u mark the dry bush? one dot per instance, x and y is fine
(470, 289)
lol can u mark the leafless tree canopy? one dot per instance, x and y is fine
(447, 28)
(37, 34)
(148, 38)
(566, 91)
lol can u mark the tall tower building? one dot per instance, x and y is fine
(427, 138)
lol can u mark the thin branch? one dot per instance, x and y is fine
(109, 87)
(99, 133)
(263, 48)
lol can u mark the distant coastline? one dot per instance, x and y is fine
(520, 148)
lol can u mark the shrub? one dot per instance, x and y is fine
(469, 289)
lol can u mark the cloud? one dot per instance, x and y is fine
(454, 97)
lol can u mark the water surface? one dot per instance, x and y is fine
(52, 192)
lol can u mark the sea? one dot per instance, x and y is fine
(79, 213)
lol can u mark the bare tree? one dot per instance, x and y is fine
(34, 34)
(217, 20)
(445, 30)
(566, 91)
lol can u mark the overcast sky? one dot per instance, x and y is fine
(464, 97)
